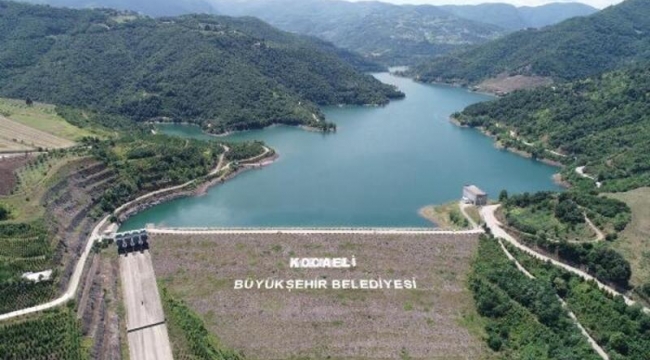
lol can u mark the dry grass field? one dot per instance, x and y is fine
(634, 242)
(23, 136)
(42, 117)
(435, 321)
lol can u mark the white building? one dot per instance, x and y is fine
(38, 276)
(474, 195)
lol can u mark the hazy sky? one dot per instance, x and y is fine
(595, 3)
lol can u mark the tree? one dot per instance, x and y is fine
(503, 195)
(619, 342)
(4, 213)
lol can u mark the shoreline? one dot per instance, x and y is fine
(498, 145)
(557, 177)
(197, 187)
(233, 132)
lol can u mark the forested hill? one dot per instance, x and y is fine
(602, 122)
(388, 33)
(147, 7)
(230, 73)
(516, 18)
(573, 49)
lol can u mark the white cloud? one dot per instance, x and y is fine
(595, 3)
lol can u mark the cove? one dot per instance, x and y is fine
(380, 167)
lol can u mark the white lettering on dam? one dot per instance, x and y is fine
(325, 263)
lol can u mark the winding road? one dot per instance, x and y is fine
(96, 233)
(488, 215)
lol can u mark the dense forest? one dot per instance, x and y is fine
(399, 35)
(622, 331)
(24, 247)
(388, 33)
(525, 320)
(55, 334)
(573, 49)
(601, 122)
(223, 73)
(510, 17)
(371, 31)
(147, 163)
(147, 7)
(556, 224)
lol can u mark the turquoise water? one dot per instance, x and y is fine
(379, 169)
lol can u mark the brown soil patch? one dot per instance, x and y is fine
(8, 166)
(424, 323)
(504, 84)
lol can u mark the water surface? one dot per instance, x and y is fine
(382, 165)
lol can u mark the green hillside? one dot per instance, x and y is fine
(601, 122)
(230, 74)
(390, 34)
(573, 49)
(148, 7)
(516, 18)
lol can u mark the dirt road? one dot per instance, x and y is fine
(580, 170)
(594, 345)
(463, 209)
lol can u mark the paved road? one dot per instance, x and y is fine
(487, 213)
(73, 284)
(145, 319)
(140, 291)
(146, 344)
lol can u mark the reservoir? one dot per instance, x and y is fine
(380, 167)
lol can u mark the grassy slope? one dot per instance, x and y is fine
(446, 216)
(41, 117)
(634, 241)
(189, 336)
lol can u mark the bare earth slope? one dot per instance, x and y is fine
(354, 324)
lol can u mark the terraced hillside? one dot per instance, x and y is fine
(98, 307)
(72, 210)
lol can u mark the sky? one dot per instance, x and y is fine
(595, 3)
